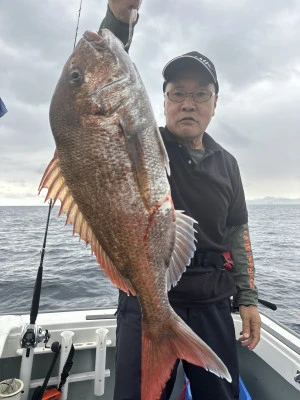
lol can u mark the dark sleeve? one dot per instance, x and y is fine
(237, 213)
(118, 28)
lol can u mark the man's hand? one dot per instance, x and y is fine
(251, 326)
(121, 9)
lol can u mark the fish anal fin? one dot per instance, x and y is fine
(183, 249)
(54, 181)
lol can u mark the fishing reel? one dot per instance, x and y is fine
(32, 335)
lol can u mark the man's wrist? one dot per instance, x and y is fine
(118, 28)
(122, 11)
(248, 305)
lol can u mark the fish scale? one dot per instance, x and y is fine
(109, 172)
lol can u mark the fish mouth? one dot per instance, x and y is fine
(92, 36)
(97, 40)
(100, 42)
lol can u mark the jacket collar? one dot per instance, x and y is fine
(208, 142)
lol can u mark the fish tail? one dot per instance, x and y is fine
(160, 352)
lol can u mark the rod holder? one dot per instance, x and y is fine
(99, 382)
(25, 371)
(66, 344)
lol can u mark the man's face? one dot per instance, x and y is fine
(188, 120)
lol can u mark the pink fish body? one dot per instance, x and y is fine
(109, 172)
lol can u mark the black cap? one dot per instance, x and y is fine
(191, 58)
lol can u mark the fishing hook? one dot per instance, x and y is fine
(131, 23)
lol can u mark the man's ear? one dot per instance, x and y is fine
(215, 103)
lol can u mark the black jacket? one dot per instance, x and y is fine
(211, 191)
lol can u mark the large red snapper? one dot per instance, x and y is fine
(109, 172)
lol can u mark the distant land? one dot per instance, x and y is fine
(265, 200)
(273, 200)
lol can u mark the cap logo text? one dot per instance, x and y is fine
(204, 61)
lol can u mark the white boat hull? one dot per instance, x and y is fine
(269, 372)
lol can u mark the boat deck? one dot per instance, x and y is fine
(268, 372)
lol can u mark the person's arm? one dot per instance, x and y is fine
(247, 295)
(118, 16)
(243, 269)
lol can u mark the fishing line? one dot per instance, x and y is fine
(77, 23)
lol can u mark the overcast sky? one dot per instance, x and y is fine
(253, 44)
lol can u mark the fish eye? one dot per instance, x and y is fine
(75, 75)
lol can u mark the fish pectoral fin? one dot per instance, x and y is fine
(135, 148)
(183, 249)
(163, 152)
(54, 181)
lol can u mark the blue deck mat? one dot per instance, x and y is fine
(244, 394)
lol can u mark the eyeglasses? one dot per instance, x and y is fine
(178, 96)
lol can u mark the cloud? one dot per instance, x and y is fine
(251, 43)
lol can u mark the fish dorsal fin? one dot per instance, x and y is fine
(184, 248)
(54, 181)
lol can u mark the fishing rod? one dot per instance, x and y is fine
(41, 392)
(33, 334)
(38, 283)
(79, 12)
(267, 304)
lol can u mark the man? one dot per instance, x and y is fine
(205, 182)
